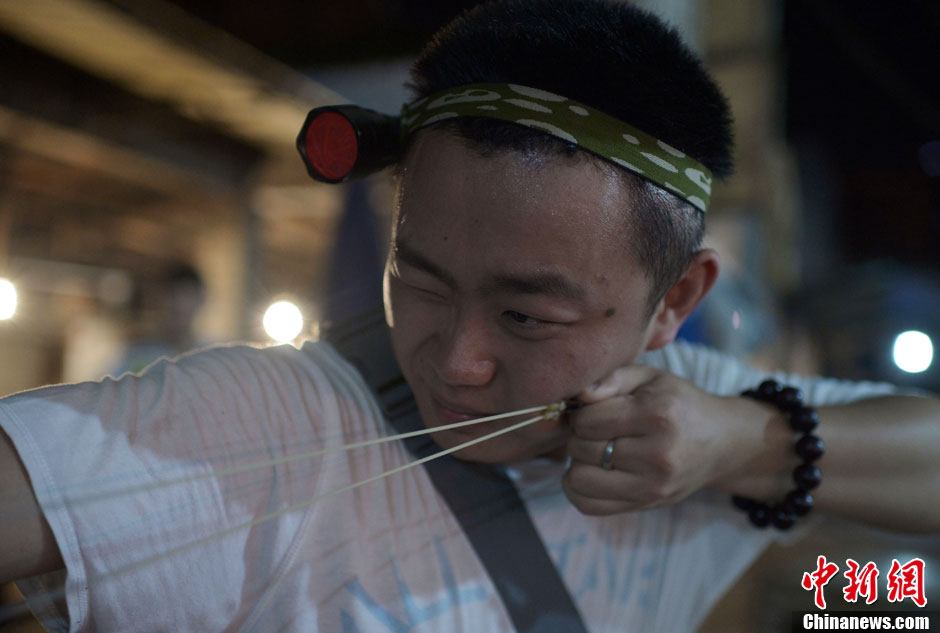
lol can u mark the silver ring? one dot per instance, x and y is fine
(607, 459)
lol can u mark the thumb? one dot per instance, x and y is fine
(620, 382)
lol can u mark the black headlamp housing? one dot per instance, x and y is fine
(347, 142)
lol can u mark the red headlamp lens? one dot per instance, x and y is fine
(331, 145)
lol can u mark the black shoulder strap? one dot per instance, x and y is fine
(482, 497)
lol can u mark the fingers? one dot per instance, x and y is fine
(621, 381)
(584, 497)
(647, 457)
(591, 452)
(596, 492)
(598, 507)
(613, 417)
(617, 406)
(639, 409)
(642, 477)
(632, 401)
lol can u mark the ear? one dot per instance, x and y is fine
(682, 298)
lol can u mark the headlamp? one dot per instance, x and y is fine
(342, 142)
(338, 143)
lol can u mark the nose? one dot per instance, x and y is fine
(467, 356)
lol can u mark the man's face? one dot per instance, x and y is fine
(509, 285)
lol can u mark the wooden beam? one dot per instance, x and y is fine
(264, 110)
(83, 151)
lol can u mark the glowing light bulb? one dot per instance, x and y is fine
(7, 299)
(283, 321)
(913, 351)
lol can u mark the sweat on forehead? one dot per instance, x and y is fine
(491, 137)
(537, 214)
(481, 165)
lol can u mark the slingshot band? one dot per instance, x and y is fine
(599, 133)
(481, 496)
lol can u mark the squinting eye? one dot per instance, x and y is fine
(421, 290)
(428, 294)
(522, 319)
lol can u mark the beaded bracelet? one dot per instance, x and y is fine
(809, 448)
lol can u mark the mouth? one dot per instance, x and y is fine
(527, 441)
(445, 413)
(448, 413)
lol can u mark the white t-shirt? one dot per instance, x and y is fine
(157, 535)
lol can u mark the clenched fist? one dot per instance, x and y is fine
(645, 438)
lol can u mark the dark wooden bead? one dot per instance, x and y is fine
(768, 390)
(742, 503)
(782, 517)
(789, 399)
(804, 419)
(810, 448)
(759, 514)
(799, 501)
(807, 476)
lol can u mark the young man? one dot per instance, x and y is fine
(529, 265)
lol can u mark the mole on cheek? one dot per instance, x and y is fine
(610, 312)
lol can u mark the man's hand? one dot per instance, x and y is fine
(669, 437)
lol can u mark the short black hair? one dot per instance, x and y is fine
(613, 57)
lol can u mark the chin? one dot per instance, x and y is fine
(476, 455)
(484, 452)
(499, 450)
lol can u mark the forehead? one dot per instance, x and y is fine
(511, 213)
(443, 178)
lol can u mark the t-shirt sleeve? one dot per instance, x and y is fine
(722, 374)
(151, 485)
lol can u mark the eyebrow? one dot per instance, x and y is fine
(549, 284)
(541, 283)
(416, 260)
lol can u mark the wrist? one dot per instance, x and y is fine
(759, 455)
(807, 447)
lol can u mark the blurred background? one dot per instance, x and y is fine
(152, 201)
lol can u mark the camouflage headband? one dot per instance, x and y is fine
(590, 129)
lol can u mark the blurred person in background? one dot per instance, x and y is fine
(180, 296)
